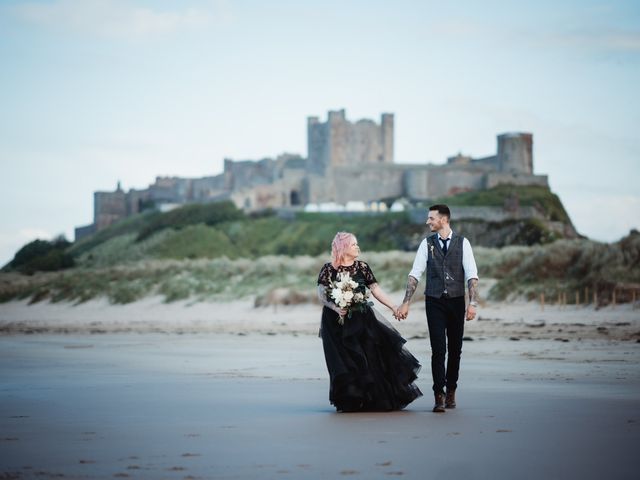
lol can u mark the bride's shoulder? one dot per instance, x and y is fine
(362, 264)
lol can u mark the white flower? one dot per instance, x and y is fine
(336, 294)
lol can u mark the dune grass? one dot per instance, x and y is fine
(521, 272)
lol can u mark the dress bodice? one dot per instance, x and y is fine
(358, 269)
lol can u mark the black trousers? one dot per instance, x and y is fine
(445, 318)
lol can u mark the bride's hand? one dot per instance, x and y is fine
(340, 311)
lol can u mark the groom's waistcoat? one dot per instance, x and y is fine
(444, 272)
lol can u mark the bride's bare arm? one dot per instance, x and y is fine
(382, 297)
(322, 296)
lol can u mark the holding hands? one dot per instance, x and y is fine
(402, 312)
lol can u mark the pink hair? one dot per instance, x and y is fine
(339, 246)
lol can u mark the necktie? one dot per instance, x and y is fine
(444, 245)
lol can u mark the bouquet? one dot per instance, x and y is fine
(349, 294)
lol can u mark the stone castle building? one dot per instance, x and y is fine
(345, 162)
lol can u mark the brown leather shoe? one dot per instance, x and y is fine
(439, 405)
(450, 401)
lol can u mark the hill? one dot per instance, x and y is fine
(217, 230)
(563, 267)
(215, 251)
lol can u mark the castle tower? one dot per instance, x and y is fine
(109, 207)
(338, 138)
(317, 152)
(515, 153)
(338, 142)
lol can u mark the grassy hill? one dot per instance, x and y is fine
(565, 266)
(215, 251)
(151, 236)
(217, 230)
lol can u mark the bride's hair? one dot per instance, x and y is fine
(339, 246)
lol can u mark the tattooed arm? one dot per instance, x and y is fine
(418, 268)
(412, 284)
(472, 285)
(322, 296)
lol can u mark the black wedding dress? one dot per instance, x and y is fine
(369, 368)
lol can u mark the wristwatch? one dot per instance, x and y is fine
(473, 304)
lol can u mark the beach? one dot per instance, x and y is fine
(205, 390)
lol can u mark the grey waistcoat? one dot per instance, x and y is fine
(444, 272)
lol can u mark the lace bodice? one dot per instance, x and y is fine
(328, 273)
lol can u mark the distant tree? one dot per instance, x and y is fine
(42, 255)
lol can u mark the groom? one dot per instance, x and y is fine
(450, 264)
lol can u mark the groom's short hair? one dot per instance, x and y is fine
(442, 209)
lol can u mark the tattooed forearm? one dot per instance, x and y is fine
(412, 284)
(322, 296)
(472, 285)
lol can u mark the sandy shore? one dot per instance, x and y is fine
(152, 315)
(230, 391)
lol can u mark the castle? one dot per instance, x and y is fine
(345, 162)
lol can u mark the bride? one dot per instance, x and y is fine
(369, 368)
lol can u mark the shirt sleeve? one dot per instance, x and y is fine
(369, 277)
(324, 277)
(420, 262)
(468, 262)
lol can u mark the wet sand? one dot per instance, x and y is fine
(255, 405)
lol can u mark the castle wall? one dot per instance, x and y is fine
(317, 189)
(207, 188)
(247, 173)
(169, 190)
(366, 184)
(84, 231)
(283, 193)
(452, 179)
(416, 183)
(490, 164)
(136, 200)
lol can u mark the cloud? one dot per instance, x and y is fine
(116, 18)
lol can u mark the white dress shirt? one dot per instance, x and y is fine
(468, 260)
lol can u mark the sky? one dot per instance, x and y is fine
(93, 92)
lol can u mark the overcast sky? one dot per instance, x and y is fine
(96, 91)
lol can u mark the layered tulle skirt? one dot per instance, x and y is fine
(369, 367)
